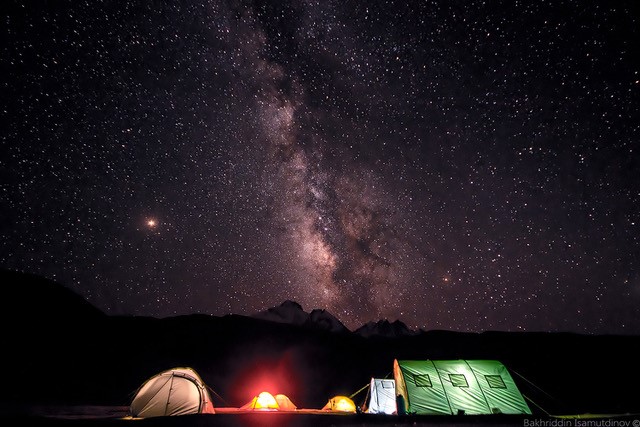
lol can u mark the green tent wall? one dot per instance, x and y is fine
(450, 387)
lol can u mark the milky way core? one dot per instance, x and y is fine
(460, 165)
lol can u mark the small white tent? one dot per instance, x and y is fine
(382, 397)
(177, 391)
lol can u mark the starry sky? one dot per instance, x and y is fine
(455, 164)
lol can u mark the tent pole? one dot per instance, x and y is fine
(166, 406)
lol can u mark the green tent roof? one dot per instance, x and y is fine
(450, 387)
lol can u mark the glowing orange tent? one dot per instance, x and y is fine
(266, 402)
(263, 401)
(340, 404)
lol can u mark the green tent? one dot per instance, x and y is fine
(451, 387)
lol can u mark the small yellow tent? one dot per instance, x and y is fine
(340, 404)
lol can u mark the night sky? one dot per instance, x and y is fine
(464, 165)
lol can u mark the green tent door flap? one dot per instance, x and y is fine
(451, 387)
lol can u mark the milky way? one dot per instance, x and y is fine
(457, 165)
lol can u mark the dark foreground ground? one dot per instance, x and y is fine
(117, 416)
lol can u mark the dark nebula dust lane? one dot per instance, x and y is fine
(459, 165)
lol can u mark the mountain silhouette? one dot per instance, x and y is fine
(292, 313)
(30, 296)
(73, 354)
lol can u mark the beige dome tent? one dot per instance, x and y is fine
(177, 391)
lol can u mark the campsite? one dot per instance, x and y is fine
(65, 354)
(317, 213)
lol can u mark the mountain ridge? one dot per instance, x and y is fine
(292, 312)
(59, 303)
(239, 356)
(27, 295)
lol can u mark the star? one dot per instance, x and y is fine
(407, 159)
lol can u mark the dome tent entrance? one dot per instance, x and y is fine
(177, 391)
(450, 387)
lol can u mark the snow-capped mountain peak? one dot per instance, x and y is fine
(288, 312)
(292, 313)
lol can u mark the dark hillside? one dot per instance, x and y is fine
(59, 345)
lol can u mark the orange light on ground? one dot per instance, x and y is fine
(265, 371)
